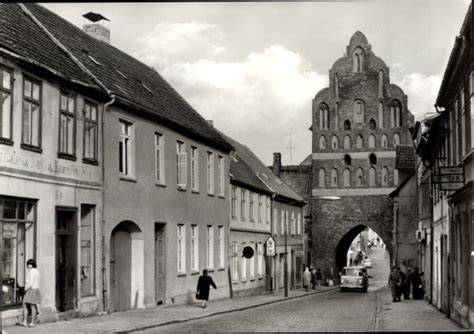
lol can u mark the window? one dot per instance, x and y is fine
(359, 142)
(125, 146)
(380, 115)
(260, 260)
(347, 142)
(322, 143)
(298, 225)
(282, 223)
(373, 159)
(347, 125)
(210, 247)
(372, 177)
(359, 177)
(384, 141)
(380, 84)
(371, 141)
(210, 173)
(244, 264)
(67, 124)
(31, 126)
(334, 142)
(87, 250)
(384, 176)
(251, 206)
(159, 159)
(323, 117)
(358, 111)
(396, 140)
(334, 177)
(181, 165)
(456, 133)
(194, 248)
(233, 203)
(275, 221)
(464, 120)
(194, 168)
(395, 114)
(234, 262)
(358, 60)
(220, 175)
(90, 131)
(181, 248)
(268, 213)
(395, 177)
(220, 247)
(372, 124)
(17, 228)
(322, 178)
(347, 177)
(260, 208)
(293, 223)
(252, 263)
(243, 200)
(347, 160)
(6, 105)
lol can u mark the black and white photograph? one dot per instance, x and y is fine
(194, 167)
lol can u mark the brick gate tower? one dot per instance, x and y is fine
(357, 123)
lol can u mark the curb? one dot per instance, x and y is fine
(177, 321)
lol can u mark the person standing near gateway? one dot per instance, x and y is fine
(203, 287)
(32, 295)
(395, 281)
(306, 279)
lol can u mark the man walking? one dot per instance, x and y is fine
(394, 281)
(203, 287)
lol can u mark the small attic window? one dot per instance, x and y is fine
(123, 75)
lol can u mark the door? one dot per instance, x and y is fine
(160, 264)
(120, 269)
(66, 259)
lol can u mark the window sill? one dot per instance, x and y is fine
(160, 184)
(195, 191)
(67, 156)
(260, 277)
(181, 274)
(6, 141)
(221, 196)
(233, 282)
(210, 270)
(90, 161)
(212, 195)
(31, 148)
(181, 189)
(221, 268)
(194, 272)
(128, 178)
(252, 279)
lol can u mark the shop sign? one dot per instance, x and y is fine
(449, 178)
(270, 246)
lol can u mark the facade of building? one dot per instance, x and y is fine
(358, 121)
(445, 144)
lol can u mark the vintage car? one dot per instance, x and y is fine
(354, 277)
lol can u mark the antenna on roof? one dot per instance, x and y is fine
(291, 150)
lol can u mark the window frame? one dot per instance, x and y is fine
(160, 153)
(92, 272)
(194, 248)
(210, 173)
(39, 103)
(128, 158)
(251, 207)
(220, 247)
(243, 200)
(233, 203)
(194, 168)
(210, 248)
(220, 175)
(69, 115)
(181, 249)
(3, 90)
(181, 165)
(95, 159)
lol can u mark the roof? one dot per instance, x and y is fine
(405, 157)
(243, 174)
(396, 192)
(299, 178)
(272, 182)
(134, 84)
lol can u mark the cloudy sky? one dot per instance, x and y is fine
(254, 67)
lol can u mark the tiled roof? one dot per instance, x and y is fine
(271, 181)
(242, 173)
(134, 84)
(405, 157)
(299, 178)
(308, 160)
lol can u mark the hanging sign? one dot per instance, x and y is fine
(449, 178)
(270, 246)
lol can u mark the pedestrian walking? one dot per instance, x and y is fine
(417, 286)
(204, 283)
(394, 281)
(401, 288)
(306, 278)
(407, 284)
(32, 293)
(319, 279)
(313, 277)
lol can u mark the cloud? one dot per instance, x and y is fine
(422, 91)
(258, 100)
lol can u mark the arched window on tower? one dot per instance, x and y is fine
(373, 159)
(347, 142)
(384, 141)
(323, 117)
(380, 84)
(334, 182)
(396, 114)
(359, 177)
(372, 177)
(322, 178)
(336, 116)
(322, 143)
(372, 124)
(380, 115)
(359, 142)
(358, 60)
(334, 142)
(347, 125)
(396, 140)
(347, 177)
(371, 141)
(347, 160)
(384, 176)
(358, 109)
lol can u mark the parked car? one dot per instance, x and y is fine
(367, 263)
(354, 277)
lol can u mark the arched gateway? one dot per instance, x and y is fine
(357, 195)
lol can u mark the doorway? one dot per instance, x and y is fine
(160, 264)
(66, 258)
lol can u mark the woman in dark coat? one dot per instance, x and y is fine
(203, 287)
(417, 285)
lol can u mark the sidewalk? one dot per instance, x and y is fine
(158, 316)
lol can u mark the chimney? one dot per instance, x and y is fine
(276, 163)
(211, 123)
(97, 28)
